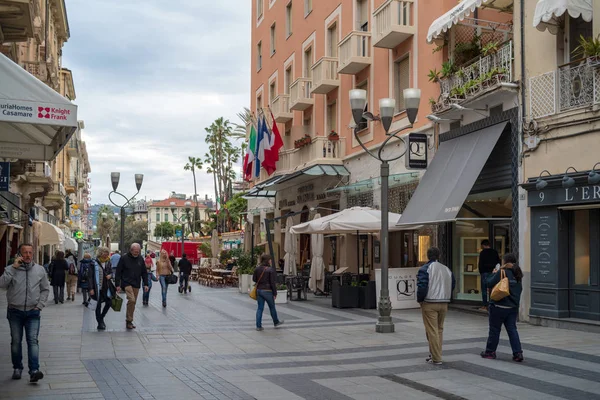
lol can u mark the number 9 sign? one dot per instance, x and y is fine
(541, 197)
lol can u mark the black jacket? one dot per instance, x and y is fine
(58, 271)
(516, 288)
(105, 282)
(488, 259)
(130, 271)
(185, 266)
(268, 280)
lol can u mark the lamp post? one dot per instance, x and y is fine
(358, 101)
(114, 178)
(188, 205)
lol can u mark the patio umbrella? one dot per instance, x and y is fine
(350, 220)
(289, 246)
(214, 246)
(317, 266)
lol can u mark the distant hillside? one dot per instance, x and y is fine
(96, 207)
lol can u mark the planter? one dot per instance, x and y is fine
(367, 297)
(333, 138)
(245, 283)
(281, 297)
(344, 296)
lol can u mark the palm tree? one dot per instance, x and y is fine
(194, 163)
(239, 130)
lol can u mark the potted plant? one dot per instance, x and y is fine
(307, 139)
(367, 296)
(297, 144)
(282, 293)
(434, 75)
(333, 136)
(490, 48)
(589, 48)
(344, 296)
(432, 104)
(245, 272)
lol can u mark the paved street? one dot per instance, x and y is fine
(204, 346)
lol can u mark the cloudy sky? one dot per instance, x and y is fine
(149, 77)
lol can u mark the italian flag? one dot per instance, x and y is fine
(250, 152)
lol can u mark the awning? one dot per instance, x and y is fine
(308, 174)
(459, 13)
(70, 244)
(51, 235)
(35, 121)
(547, 11)
(450, 177)
(369, 184)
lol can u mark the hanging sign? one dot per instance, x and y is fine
(416, 151)
(4, 176)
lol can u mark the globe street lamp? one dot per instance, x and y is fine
(114, 178)
(358, 101)
(188, 205)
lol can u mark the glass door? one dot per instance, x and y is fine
(500, 237)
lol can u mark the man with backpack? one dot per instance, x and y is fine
(72, 276)
(84, 272)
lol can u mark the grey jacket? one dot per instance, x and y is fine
(435, 283)
(28, 287)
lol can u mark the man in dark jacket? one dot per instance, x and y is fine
(130, 272)
(185, 270)
(488, 259)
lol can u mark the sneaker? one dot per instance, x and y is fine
(518, 357)
(490, 355)
(430, 361)
(101, 326)
(17, 374)
(484, 308)
(35, 376)
(129, 325)
(258, 329)
(190, 289)
(277, 325)
(428, 358)
(164, 303)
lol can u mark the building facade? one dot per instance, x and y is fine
(176, 210)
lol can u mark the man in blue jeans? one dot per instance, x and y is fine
(488, 260)
(265, 277)
(27, 293)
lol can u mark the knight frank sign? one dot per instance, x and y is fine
(38, 113)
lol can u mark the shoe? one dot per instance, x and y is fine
(490, 355)
(101, 326)
(428, 358)
(518, 357)
(35, 376)
(484, 308)
(258, 329)
(55, 301)
(62, 302)
(180, 289)
(190, 289)
(430, 361)
(129, 325)
(17, 374)
(164, 303)
(277, 325)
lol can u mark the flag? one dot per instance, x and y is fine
(272, 155)
(259, 154)
(250, 152)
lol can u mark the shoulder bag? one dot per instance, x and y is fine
(502, 288)
(253, 292)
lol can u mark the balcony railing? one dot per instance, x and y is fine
(38, 168)
(394, 23)
(571, 86)
(73, 147)
(281, 108)
(355, 52)
(325, 75)
(300, 94)
(485, 74)
(37, 69)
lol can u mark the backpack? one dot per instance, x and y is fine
(72, 269)
(84, 272)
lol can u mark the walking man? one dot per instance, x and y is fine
(130, 272)
(185, 270)
(27, 293)
(435, 283)
(488, 260)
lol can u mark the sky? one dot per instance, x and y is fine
(149, 76)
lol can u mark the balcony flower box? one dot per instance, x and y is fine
(333, 136)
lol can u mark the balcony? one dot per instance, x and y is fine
(394, 23)
(300, 94)
(72, 148)
(71, 185)
(36, 179)
(325, 75)
(55, 199)
(355, 52)
(67, 87)
(281, 108)
(571, 86)
(481, 76)
(37, 69)
(16, 20)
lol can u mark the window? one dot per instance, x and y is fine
(308, 62)
(332, 117)
(272, 92)
(288, 19)
(332, 41)
(364, 124)
(362, 15)
(272, 39)
(157, 217)
(259, 56)
(166, 217)
(578, 27)
(287, 80)
(259, 103)
(259, 8)
(307, 7)
(581, 230)
(401, 81)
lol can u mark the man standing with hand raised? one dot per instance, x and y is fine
(130, 272)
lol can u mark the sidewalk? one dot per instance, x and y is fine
(204, 346)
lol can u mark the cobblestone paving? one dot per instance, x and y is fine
(204, 346)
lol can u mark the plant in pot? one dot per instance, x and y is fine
(589, 48)
(307, 140)
(433, 104)
(333, 136)
(282, 294)
(457, 93)
(490, 48)
(245, 271)
(448, 69)
(434, 75)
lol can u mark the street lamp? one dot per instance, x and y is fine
(114, 179)
(358, 101)
(188, 205)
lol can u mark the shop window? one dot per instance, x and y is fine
(581, 253)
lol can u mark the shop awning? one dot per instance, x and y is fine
(51, 235)
(547, 11)
(308, 174)
(35, 121)
(450, 177)
(459, 13)
(369, 184)
(70, 244)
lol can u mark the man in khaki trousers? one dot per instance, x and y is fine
(131, 271)
(435, 283)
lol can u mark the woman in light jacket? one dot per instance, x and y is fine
(163, 269)
(100, 284)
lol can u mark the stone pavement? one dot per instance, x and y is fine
(204, 346)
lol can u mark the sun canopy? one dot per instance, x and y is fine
(459, 13)
(51, 235)
(70, 244)
(546, 12)
(35, 121)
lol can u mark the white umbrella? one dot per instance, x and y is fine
(317, 266)
(214, 246)
(289, 246)
(350, 220)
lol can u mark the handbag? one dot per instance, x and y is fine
(171, 279)
(502, 288)
(254, 293)
(116, 303)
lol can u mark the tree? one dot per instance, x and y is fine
(135, 232)
(235, 207)
(195, 163)
(239, 130)
(164, 230)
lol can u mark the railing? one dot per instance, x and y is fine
(392, 13)
(39, 168)
(37, 69)
(281, 105)
(571, 86)
(355, 44)
(300, 89)
(59, 189)
(72, 182)
(326, 69)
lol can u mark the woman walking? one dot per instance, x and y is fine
(84, 273)
(72, 275)
(151, 278)
(58, 270)
(505, 311)
(265, 277)
(100, 285)
(164, 269)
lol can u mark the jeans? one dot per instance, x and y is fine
(508, 317)
(30, 321)
(146, 295)
(262, 297)
(164, 286)
(101, 313)
(484, 288)
(184, 280)
(86, 295)
(59, 293)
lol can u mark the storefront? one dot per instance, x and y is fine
(565, 246)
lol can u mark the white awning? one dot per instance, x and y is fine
(546, 12)
(70, 244)
(51, 235)
(35, 121)
(459, 13)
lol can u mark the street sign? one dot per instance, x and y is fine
(178, 233)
